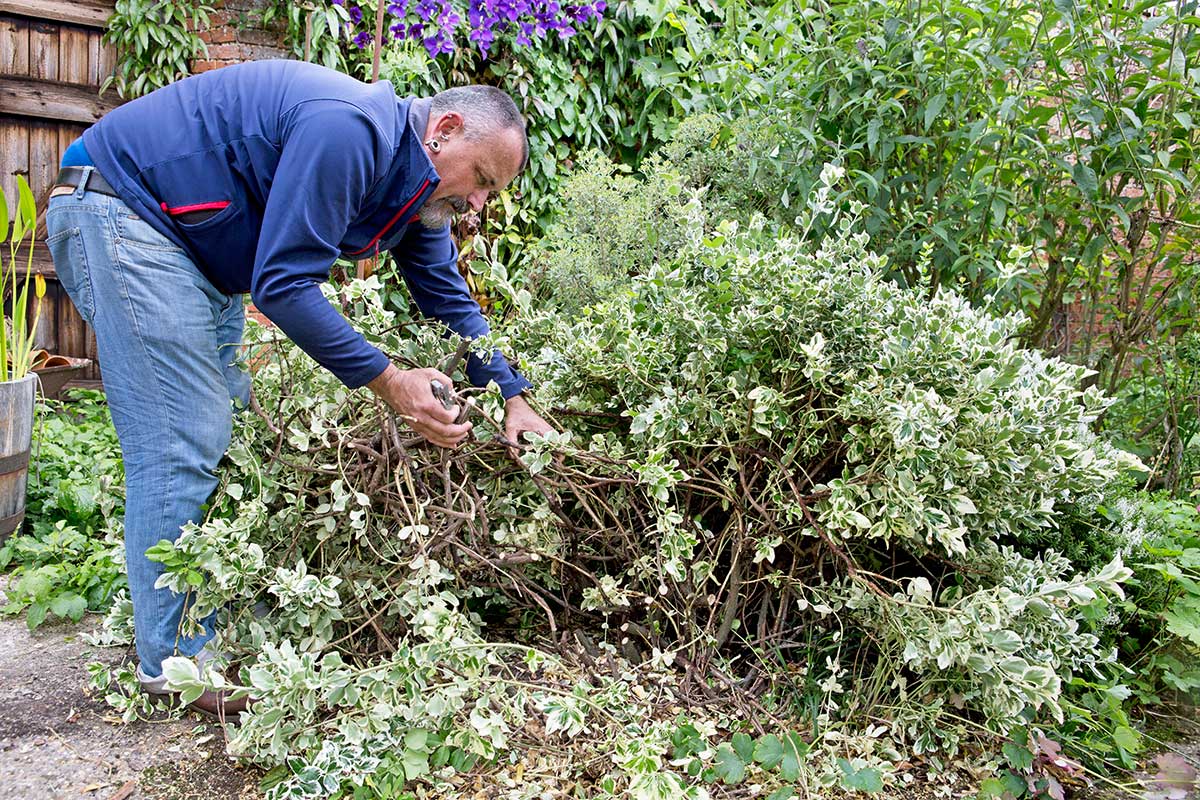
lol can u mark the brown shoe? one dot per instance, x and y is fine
(216, 705)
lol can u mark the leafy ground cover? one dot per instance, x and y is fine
(69, 557)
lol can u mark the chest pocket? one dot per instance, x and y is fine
(201, 196)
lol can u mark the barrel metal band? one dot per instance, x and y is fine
(14, 463)
(10, 524)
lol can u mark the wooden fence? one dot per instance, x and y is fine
(52, 62)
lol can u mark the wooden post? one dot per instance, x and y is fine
(308, 36)
(378, 41)
(367, 267)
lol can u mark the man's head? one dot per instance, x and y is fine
(476, 139)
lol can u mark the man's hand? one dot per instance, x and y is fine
(519, 418)
(409, 394)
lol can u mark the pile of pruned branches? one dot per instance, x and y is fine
(779, 478)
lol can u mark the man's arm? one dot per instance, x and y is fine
(428, 261)
(325, 169)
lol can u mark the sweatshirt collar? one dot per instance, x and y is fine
(418, 116)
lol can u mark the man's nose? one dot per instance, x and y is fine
(478, 199)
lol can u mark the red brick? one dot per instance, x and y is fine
(255, 314)
(222, 35)
(264, 38)
(208, 66)
(255, 52)
(235, 33)
(225, 52)
(253, 6)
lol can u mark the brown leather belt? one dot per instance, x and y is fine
(71, 177)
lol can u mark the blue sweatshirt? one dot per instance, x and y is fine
(298, 165)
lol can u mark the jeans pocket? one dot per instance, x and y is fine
(70, 263)
(132, 229)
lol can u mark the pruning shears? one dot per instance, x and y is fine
(445, 394)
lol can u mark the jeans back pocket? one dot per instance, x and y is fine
(70, 263)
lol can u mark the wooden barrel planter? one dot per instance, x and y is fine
(16, 434)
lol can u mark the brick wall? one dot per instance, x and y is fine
(236, 34)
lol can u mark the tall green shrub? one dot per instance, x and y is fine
(1035, 156)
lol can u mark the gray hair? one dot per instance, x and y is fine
(485, 110)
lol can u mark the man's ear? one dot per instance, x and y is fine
(448, 124)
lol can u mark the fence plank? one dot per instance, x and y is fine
(43, 51)
(14, 155)
(72, 330)
(73, 55)
(108, 60)
(43, 157)
(68, 133)
(93, 60)
(14, 46)
(91, 13)
(42, 263)
(90, 350)
(44, 335)
(53, 100)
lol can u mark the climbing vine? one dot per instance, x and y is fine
(156, 42)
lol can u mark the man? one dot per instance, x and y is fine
(255, 178)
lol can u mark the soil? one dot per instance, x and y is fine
(59, 743)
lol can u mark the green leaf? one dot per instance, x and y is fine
(1127, 739)
(782, 793)
(180, 671)
(768, 751)
(416, 764)
(743, 745)
(864, 779)
(1085, 178)
(37, 584)
(1131, 116)
(991, 789)
(26, 203)
(69, 606)
(728, 766)
(794, 751)
(36, 615)
(274, 777)
(1177, 65)
(190, 694)
(3, 217)
(936, 104)
(1018, 757)
(1183, 620)
(1152, 24)
(873, 134)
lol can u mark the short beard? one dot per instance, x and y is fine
(436, 214)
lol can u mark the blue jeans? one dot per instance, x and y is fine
(168, 342)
